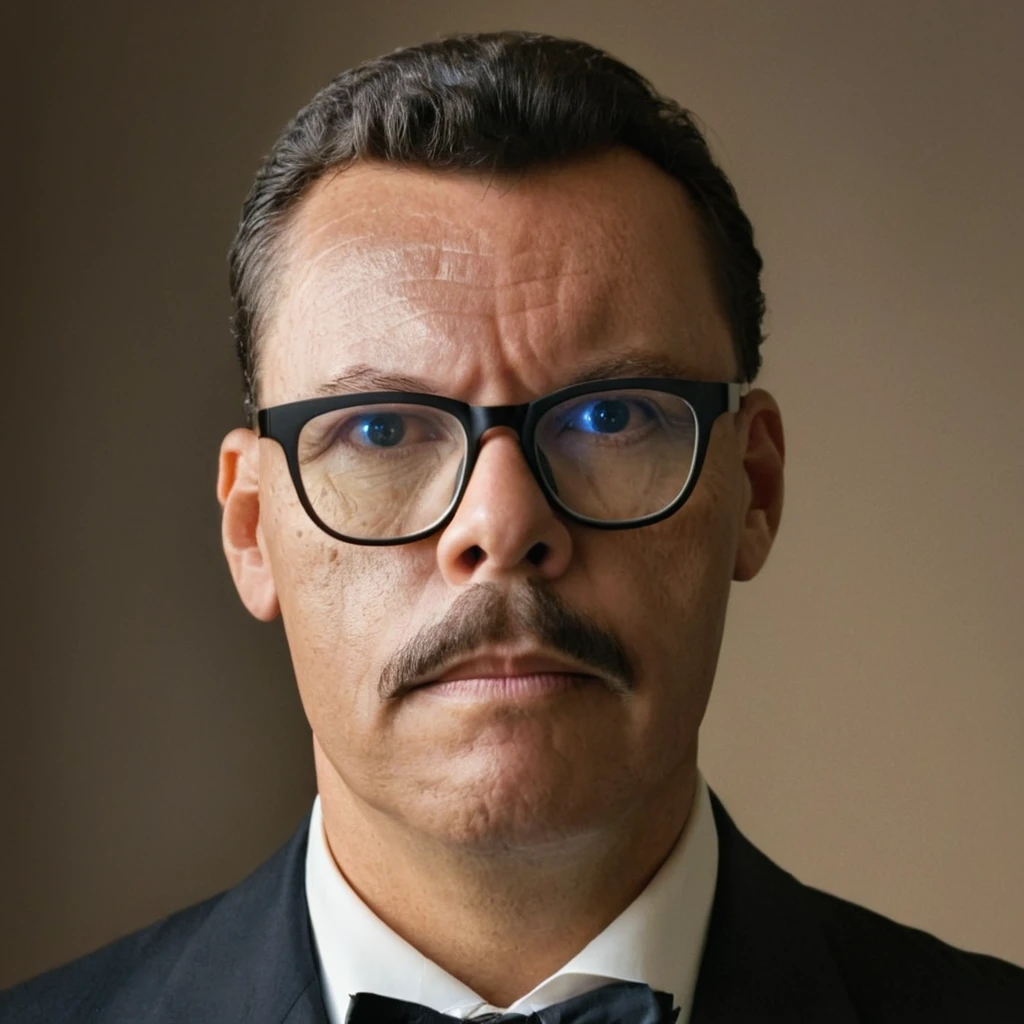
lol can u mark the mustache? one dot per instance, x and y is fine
(491, 614)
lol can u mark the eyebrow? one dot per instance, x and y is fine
(363, 377)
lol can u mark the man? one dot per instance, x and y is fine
(497, 311)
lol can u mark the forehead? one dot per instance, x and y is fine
(491, 289)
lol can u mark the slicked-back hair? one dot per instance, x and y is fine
(492, 103)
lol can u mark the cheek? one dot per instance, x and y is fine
(696, 551)
(345, 609)
(666, 590)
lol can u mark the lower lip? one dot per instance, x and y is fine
(541, 684)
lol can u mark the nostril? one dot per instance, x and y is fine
(474, 556)
(537, 553)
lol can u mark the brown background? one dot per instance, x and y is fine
(867, 729)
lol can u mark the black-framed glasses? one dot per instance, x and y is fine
(390, 467)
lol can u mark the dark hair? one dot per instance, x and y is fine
(501, 102)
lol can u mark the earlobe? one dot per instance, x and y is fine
(239, 495)
(764, 453)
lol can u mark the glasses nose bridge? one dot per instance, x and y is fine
(484, 417)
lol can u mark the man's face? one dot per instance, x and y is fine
(497, 292)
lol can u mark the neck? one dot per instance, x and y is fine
(500, 920)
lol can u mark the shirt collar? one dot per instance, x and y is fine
(658, 939)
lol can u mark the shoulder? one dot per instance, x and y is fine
(129, 970)
(776, 942)
(242, 955)
(894, 972)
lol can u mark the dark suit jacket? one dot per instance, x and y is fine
(777, 950)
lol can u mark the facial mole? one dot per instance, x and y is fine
(333, 556)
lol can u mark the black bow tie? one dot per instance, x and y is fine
(624, 1002)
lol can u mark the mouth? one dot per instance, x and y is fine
(518, 687)
(507, 676)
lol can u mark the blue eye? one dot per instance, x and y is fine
(606, 416)
(382, 430)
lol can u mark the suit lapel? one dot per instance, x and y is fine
(309, 1007)
(252, 961)
(766, 958)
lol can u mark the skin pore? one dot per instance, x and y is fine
(499, 835)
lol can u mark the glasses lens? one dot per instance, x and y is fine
(612, 456)
(382, 472)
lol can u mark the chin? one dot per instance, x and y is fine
(500, 797)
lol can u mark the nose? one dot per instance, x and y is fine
(504, 525)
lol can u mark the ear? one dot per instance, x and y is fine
(238, 492)
(759, 428)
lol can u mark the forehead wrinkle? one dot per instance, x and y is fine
(459, 235)
(363, 207)
(579, 313)
(392, 333)
(502, 318)
(534, 293)
(364, 257)
(371, 269)
(431, 225)
(418, 298)
(342, 270)
(439, 261)
(380, 194)
(484, 330)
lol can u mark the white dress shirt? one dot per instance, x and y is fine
(658, 939)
